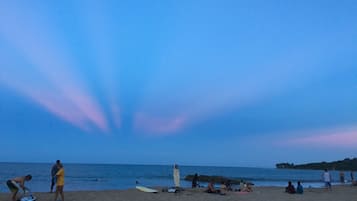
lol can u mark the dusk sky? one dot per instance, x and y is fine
(224, 83)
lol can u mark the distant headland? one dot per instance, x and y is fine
(347, 164)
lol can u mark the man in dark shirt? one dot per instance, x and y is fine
(54, 170)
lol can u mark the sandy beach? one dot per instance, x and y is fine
(338, 193)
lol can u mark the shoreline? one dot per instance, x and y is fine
(338, 193)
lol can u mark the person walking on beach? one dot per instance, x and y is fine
(17, 182)
(176, 176)
(59, 182)
(54, 170)
(327, 179)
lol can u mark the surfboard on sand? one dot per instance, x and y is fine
(146, 189)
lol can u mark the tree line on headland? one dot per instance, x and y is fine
(346, 164)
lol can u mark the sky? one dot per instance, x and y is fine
(218, 83)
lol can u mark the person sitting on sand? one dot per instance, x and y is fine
(290, 188)
(211, 189)
(246, 187)
(299, 188)
(228, 185)
(223, 186)
(17, 182)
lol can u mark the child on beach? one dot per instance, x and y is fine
(17, 182)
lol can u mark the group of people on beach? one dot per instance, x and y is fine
(327, 179)
(57, 178)
(291, 188)
(343, 180)
(224, 187)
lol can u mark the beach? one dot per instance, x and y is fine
(99, 177)
(338, 193)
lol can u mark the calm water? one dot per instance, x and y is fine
(107, 177)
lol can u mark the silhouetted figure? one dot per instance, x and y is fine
(54, 170)
(195, 181)
(228, 185)
(352, 177)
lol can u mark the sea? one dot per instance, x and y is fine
(81, 177)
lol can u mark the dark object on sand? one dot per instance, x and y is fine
(216, 179)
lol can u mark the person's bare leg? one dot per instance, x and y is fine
(61, 193)
(56, 194)
(62, 196)
(14, 195)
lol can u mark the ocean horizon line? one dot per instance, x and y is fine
(139, 164)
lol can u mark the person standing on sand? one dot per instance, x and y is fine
(195, 181)
(352, 176)
(17, 182)
(54, 170)
(59, 182)
(327, 179)
(176, 176)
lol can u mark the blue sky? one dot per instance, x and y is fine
(232, 83)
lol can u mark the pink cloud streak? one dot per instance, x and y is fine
(49, 101)
(345, 137)
(32, 38)
(158, 125)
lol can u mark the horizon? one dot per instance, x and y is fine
(208, 83)
(188, 165)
